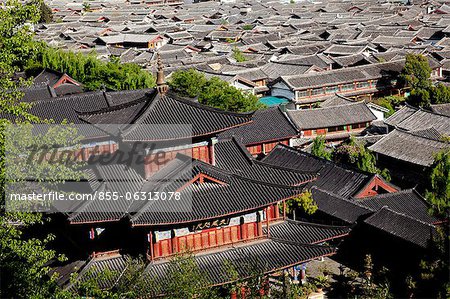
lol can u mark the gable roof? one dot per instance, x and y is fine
(443, 109)
(233, 156)
(402, 226)
(342, 76)
(156, 109)
(407, 202)
(400, 115)
(267, 125)
(305, 232)
(409, 147)
(206, 200)
(346, 210)
(268, 255)
(423, 119)
(352, 113)
(332, 177)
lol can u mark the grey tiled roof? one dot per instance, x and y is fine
(267, 125)
(332, 177)
(407, 202)
(408, 147)
(402, 226)
(231, 155)
(352, 113)
(305, 232)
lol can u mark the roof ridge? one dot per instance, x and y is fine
(412, 133)
(314, 224)
(354, 202)
(401, 214)
(330, 107)
(113, 108)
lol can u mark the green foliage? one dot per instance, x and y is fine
(304, 201)
(249, 274)
(354, 153)
(186, 280)
(188, 83)
(419, 97)
(219, 94)
(417, 71)
(94, 73)
(439, 193)
(247, 27)
(390, 103)
(238, 55)
(434, 277)
(440, 94)
(416, 75)
(369, 283)
(318, 148)
(213, 92)
(45, 12)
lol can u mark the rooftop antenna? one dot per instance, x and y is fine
(161, 85)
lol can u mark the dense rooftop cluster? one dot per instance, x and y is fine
(327, 61)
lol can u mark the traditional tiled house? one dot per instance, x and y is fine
(304, 90)
(334, 122)
(268, 128)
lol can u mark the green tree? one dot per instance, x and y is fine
(92, 72)
(219, 94)
(419, 97)
(416, 75)
(304, 202)
(318, 148)
(440, 94)
(439, 193)
(390, 103)
(355, 154)
(417, 71)
(24, 258)
(434, 280)
(187, 83)
(45, 12)
(184, 279)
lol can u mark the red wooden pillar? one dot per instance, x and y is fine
(276, 211)
(243, 228)
(243, 293)
(258, 224)
(233, 294)
(174, 241)
(150, 240)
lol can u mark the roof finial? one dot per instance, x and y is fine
(160, 81)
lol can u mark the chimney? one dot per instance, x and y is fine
(161, 85)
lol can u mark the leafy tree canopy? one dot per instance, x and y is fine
(417, 71)
(304, 201)
(319, 149)
(238, 55)
(188, 83)
(439, 193)
(92, 72)
(213, 92)
(416, 75)
(354, 153)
